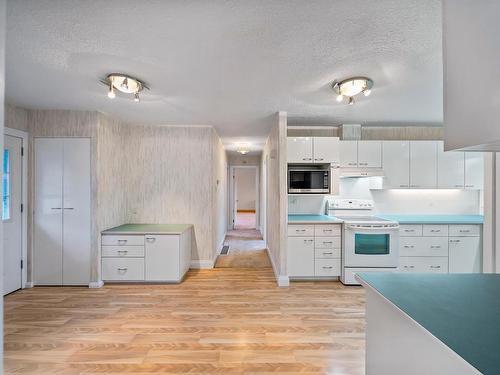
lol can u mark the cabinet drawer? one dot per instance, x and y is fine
(327, 243)
(122, 251)
(424, 264)
(327, 267)
(410, 230)
(465, 230)
(301, 230)
(327, 253)
(327, 230)
(123, 269)
(435, 230)
(423, 246)
(112, 240)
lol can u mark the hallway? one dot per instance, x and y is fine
(247, 249)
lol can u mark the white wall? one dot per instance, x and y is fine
(396, 201)
(245, 180)
(220, 193)
(471, 40)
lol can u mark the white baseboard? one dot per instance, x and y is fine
(28, 285)
(221, 245)
(96, 284)
(281, 280)
(202, 264)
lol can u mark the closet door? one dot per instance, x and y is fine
(47, 242)
(76, 211)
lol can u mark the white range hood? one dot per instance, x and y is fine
(360, 172)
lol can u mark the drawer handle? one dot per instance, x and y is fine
(122, 269)
(327, 230)
(435, 247)
(363, 163)
(459, 186)
(408, 246)
(122, 242)
(435, 266)
(327, 242)
(306, 158)
(150, 239)
(352, 163)
(122, 251)
(403, 185)
(464, 230)
(308, 241)
(454, 241)
(330, 253)
(469, 185)
(319, 159)
(435, 230)
(299, 230)
(327, 267)
(409, 230)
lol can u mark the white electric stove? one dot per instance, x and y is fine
(369, 243)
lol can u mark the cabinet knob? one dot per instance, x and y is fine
(150, 239)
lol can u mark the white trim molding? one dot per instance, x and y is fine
(281, 280)
(96, 284)
(202, 264)
(28, 285)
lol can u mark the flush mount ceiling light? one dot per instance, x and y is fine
(123, 83)
(351, 87)
(243, 149)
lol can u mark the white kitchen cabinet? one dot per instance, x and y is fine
(300, 256)
(474, 170)
(424, 264)
(396, 164)
(465, 255)
(326, 150)
(423, 164)
(300, 149)
(451, 168)
(62, 211)
(348, 154)
(162, 257)
(370, 154)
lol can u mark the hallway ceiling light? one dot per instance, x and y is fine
(125, 84)
(351, 87)
(243, 149)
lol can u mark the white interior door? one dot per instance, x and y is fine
(76, 211)
(48, 215)
(11, 214)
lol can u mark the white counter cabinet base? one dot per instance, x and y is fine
(157, 257)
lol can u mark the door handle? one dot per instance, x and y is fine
(56, 208)
(69, 208)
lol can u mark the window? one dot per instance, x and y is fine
(6, 185)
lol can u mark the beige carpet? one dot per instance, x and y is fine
(246, 250)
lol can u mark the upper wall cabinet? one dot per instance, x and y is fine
(321, 150)
(423, 164)
(396, 161)
(450, 168)
(474, 170)
(362, 154)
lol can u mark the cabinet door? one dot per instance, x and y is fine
(451, 168)
(423, 164)
(300, 149)
(465, 254)
(370, 154)
(76, 211)
(348, 154)
(300, 256)
(48, 214)
(162, 258)
(326, 150)
(474, 170)
(396, 164)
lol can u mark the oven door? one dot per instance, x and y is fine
(371, 245)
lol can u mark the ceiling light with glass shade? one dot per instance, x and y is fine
(124, 83)
(350, 87)
(243, 149)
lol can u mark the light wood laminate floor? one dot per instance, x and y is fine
(224, 321)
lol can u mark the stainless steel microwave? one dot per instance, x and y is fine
(309, 181)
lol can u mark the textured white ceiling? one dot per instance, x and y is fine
(230, 64)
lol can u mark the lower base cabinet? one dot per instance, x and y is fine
(144, 257)
(313, 251)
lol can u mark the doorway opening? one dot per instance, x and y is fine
(244, 195)
(14, 218)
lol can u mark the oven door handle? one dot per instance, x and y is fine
(374, 227)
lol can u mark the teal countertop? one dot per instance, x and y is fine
(312, 219)
(148, 229)
(461, 310)
(434, 219)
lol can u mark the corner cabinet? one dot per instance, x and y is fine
(314, 251)
(145, 257)
(307, 150)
